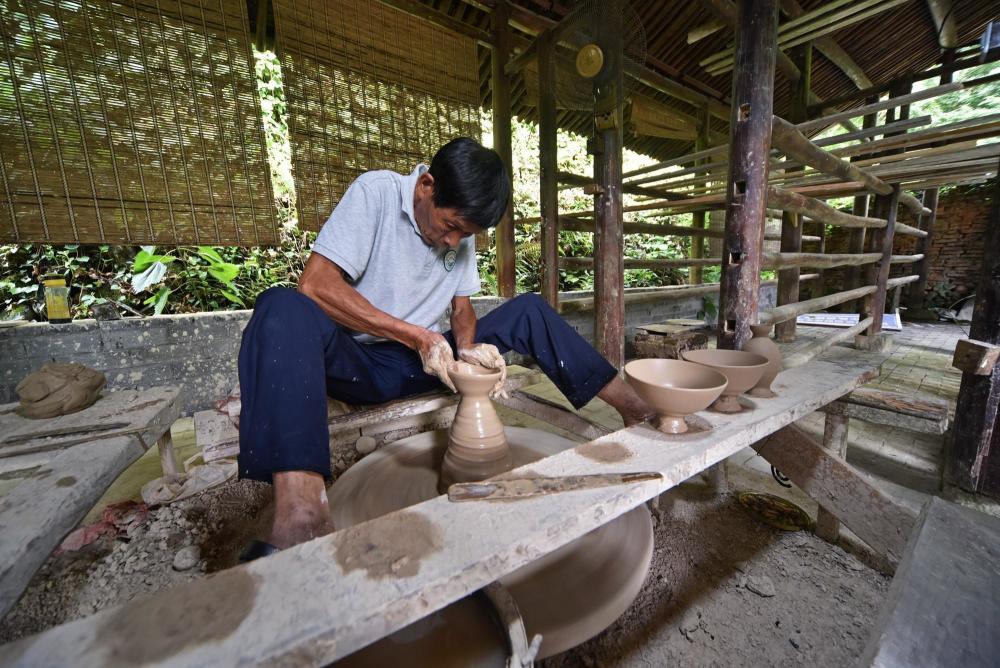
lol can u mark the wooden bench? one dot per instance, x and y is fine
(317, 605)
(61, 468)
(943, 606)
(902, 411)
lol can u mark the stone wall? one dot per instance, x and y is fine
(198, 352)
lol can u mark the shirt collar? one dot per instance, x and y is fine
(409, 188)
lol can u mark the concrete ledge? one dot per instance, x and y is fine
(198, 352)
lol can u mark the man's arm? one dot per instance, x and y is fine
(463, 322)
(323, 282)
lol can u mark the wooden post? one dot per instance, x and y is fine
(609, 260)
(835, 441)
(260, 23)
(549, 168)
(698, 218)
(819, 285)
(915, 291)
(978, 397)
(504, 234)
(791, 223)
(856, 237)
(878, 273)
(746, 188)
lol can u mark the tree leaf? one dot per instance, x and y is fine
(233, 298)
(210, 254)
(150, 277)
(224, 272)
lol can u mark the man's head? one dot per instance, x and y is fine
(465, 192)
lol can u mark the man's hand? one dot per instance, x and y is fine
(487, 355)
(436, 355)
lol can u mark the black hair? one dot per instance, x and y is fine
(471, 179)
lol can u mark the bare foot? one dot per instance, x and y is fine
(301, 512)
(623, 399)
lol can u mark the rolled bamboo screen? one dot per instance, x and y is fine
(133, 122)
(368, 87)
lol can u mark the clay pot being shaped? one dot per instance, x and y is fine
(477, 445)
(762, 344)
(741, 369)
(674, 388)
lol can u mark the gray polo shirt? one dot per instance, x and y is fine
(373, 236)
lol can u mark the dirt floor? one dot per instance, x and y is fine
(723, 589)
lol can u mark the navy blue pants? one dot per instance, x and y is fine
(293, 355)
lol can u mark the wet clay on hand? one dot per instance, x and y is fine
(437, 362)
(477, 445)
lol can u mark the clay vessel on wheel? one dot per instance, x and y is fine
(762, 344)
(477, 446)
(741, 369)
(674, 388)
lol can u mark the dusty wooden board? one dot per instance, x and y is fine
(864, 509)
(975, 357)
(943, 607)
(323, 600)
(921, 414)
(44, 507)
(553, 414)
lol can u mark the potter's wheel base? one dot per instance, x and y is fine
(568, 596)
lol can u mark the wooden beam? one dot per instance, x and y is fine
(878, 274)
(746, 190)
(866, 510)
(975, 357)
(548, 147)
(835, 432)
(502, 130)
(812, 208)
(791, 222)
(818, 347)
(609, 249)
(553, 414)
(822, 122)
(943, 15)
(585, 182)
(339, 582)
(979, 396)
(817, 260)
(916, 294)
(431, 15)
(829, 47)
(892, 409)
(699, 219)
(782, 313)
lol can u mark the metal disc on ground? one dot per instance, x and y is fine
(776, 511)
(569, 595)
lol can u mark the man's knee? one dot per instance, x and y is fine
(530, 301)
(280, 311)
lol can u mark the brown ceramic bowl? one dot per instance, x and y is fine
(741, 369)
(674, 388)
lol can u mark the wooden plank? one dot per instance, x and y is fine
(746, 189)
(38, 513)
(553, 414)
(319, 603)
(941, 608)
(875, 107)
(780, 313)
(864, 509)
(902, 411)
(975, 357)
(814, 209)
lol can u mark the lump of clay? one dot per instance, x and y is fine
(59, 389)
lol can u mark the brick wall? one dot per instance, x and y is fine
(956, 252)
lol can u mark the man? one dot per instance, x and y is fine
(363, 326)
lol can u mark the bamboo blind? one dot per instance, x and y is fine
(132, 122)
(368, 87)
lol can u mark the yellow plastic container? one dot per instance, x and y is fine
(57, 299)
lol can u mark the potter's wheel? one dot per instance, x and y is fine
(569, 595)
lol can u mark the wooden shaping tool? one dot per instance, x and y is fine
(520, 488)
